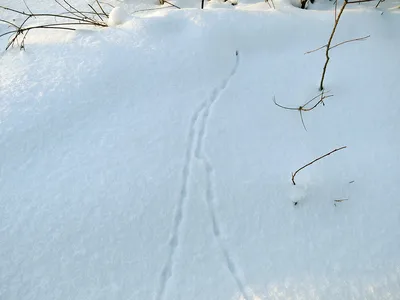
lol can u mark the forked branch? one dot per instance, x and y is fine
(305, 107)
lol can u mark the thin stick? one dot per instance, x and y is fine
(67, 10)
(110, 5)
(101, 8)
(318, 103)
(352, 40)
(336, 1)
(95, 11)
(48, 15)
(321, 86)
(202, 4)
(315, 50)
(310, 163)
(379, 3)
(150, 9)
(9, 23)
(77, 11)
(273, 4)
(341, 200)
(341, 43)
(302, 120)
(361, 1)
(290, 108)
(28, 7)
(42, 27)
(172, 4)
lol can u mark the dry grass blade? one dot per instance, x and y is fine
(74, 17)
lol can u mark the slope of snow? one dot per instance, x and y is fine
(148, 160)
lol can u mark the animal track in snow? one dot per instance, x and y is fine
(196, 140)
(210, 184)
(166, 272)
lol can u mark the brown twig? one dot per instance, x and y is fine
(352, 40)
(328, 45)
(101, 8)
(359, 1)
(176, 6)
(94, 11)
(380, 1)
(317, 159)
(77, 18)
(321, 85)
(341, 200)
(304, 108)
(315, 50)
(341, 43)
(150, 9)
(269, 4)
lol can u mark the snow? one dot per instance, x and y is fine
(149, 161)
(117, 16)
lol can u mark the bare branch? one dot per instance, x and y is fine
(322, 47)
(172, 4)
(341, 200)
(352, 40)
(359, 1)
(9, 23)
(321, 86)
(27, 7)
(302, 121)
(101, 8)
(310, 163)
(96, 12)
(273, 4)
(379, 3)
(77, 18)
(290, 108)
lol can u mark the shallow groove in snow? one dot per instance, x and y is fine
(210, 184)
(196, 140)
(166, 272)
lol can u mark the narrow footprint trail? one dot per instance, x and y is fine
(174, 239)
(195, 149)
(210, 183)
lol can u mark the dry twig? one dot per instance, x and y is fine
(304, 107)
(338, 44)
(310, 163)
(71, 17)
(328, 45)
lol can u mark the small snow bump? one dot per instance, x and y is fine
(118, 16)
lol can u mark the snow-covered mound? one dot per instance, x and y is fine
(150, 161)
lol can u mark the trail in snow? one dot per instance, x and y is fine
(166, 272)
(197, 140)
(210, 184)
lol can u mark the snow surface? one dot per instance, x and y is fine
(148, 160)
